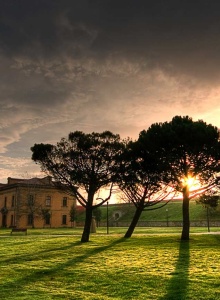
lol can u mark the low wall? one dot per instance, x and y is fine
(202, 223)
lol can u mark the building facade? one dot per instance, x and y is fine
(34, 203)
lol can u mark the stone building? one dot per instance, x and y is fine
(34, 203)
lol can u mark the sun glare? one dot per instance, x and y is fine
(189, 181)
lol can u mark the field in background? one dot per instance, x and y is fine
(173, 210)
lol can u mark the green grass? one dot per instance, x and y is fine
(172, 211)
(53, 264)
(197, 212)
(6, 232)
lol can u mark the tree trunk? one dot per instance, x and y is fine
(207, 213)
(134, 222)
(33, 222)
(185, 211)
(88, 221)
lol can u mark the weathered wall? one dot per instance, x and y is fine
(14, 199)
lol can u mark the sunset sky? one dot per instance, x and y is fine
(98, 65)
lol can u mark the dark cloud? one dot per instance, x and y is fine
(171, 34)
(42, 28)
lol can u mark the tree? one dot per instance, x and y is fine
(142, 180)
(208, 201)
(82, 164)
(192, 152)
(73, 215)
(33, 209)
(46, 215)
(98, 215)
(4, 212)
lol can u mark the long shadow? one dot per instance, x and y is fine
(22, 281)
(32, 256)
(178, 284)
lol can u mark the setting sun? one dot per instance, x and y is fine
(189, 181)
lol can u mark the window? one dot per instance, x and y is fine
(12, 220)
(47, 219)
(64, 219)
(46, 215)
(30, 219)
(64, 201)
(13, 201)
(30, 200)
(5, 201)
(48, 201)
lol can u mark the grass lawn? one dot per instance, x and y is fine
(173, 210)
(153, 264)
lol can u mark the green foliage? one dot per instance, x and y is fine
(208, 200)
(73, 213)
(97, 213)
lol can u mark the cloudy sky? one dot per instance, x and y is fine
(95, 65)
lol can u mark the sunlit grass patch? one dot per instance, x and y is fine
(155, 266)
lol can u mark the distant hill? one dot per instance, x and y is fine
(172, 211)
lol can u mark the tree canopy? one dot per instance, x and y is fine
(83, 164)
(165, 155)
(190, 150)
(142, 180)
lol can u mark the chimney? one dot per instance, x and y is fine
(47, 179)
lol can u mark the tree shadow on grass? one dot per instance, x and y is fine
(32, 256)
(34, 276)
(178, 285)
(79, 259)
